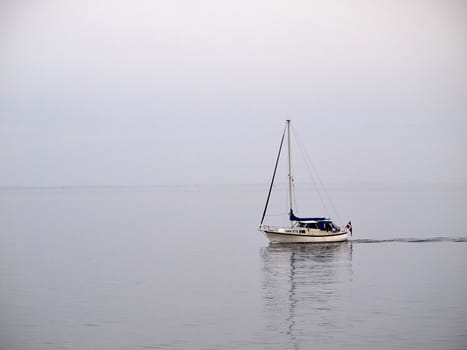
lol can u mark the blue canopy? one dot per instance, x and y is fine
(296, 218)
(324, 224)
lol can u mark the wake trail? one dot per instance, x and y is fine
(412, 240)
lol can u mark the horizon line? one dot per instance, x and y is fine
(351, 184)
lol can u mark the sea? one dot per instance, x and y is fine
(184, 267)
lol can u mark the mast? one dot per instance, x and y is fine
(290, 166)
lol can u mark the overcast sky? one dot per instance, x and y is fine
(168, 92)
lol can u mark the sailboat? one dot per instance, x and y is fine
(301, 229)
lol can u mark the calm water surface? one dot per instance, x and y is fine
(185, 268)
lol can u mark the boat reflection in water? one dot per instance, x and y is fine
(305, 290)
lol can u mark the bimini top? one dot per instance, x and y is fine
(324, 224)
(296, 218)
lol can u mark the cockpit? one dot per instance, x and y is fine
(308, 224)
(323, 225)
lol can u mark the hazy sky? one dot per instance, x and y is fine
(165, 92)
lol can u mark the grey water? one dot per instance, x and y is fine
(185, 268)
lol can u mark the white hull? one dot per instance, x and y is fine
(287, 235)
